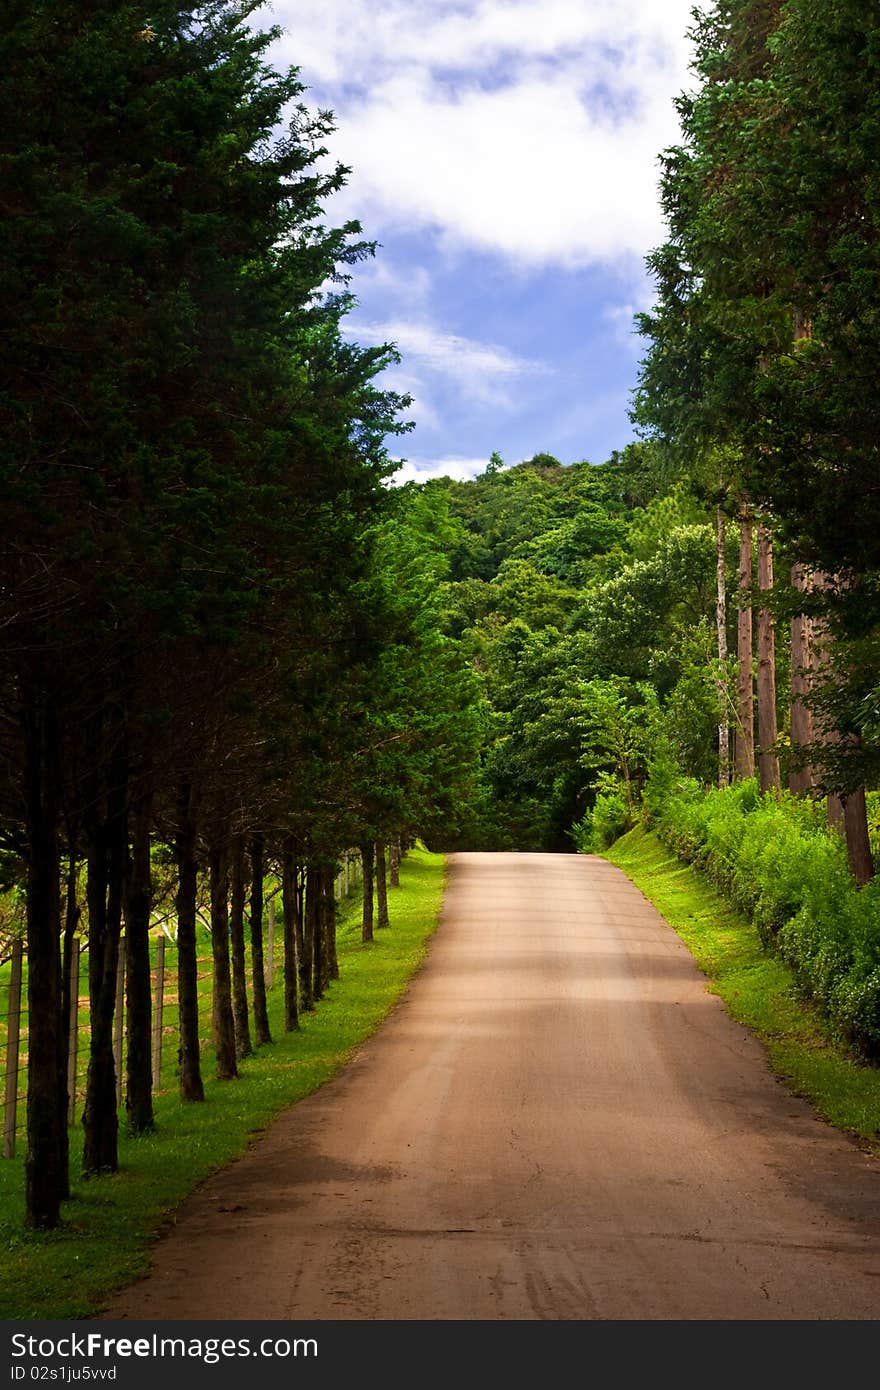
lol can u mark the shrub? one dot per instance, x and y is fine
(777, 860)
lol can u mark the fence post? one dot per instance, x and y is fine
(270, 964)
(13, 1024)
(157, 1009)
(73, 1034)
(118, 1025)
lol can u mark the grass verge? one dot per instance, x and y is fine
(758, 989)
(110, 1221)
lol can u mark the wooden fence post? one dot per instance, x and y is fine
(270, 963)
(13, 1035)
(158, 1008)
(118, 1025)
(73, 1045)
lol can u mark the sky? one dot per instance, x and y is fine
(504, 155)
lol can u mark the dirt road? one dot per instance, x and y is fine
(558, 1122)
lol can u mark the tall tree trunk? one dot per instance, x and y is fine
(330, 955)
(291, 912)
(847, 812)
(224, 1024)
(314, 918)
(138, 906)
(236, 936)
(367, 863)
(768, 731)
(191, 1085)
(394, 864)
(107, 842)
(69, 1005)
(721, 628)
(800, 773)
(305, 937)
(261, 1013)
(858, 840)
(382, 919)
(745, 698)
(44, 1180)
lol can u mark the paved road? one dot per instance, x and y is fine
(558, 1122)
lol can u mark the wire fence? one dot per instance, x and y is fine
(165, 1033)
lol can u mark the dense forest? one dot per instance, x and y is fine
(231, 649)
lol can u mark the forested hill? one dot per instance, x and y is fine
(584, 597)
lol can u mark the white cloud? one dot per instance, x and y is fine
(453, 466)
(525, 127)
(479, 370)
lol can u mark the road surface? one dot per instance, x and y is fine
(558, 1122)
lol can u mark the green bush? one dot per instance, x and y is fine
(776, 859)
(609, 818)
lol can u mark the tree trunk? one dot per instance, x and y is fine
(394, 864)
(745, 699)
(224, 1023)
(68, 1006)
(314, 920)
(236, 936)
(858, 841)
(107, 843)
(768, 732)
(367, 864)
(44, 1180)
(382, 919)
(721, 627)
(305, 938)
(847, 810)
(292, 917)
(330, 929)
(800, 773)
(261, 1014)
(191, 1086)
(138, 906)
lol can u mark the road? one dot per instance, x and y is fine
(558, 1122)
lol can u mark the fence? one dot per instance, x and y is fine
(163, 953)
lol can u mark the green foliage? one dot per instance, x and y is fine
(777, 861)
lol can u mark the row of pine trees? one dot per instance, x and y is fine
(216, 641)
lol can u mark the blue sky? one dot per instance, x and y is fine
(504, 154)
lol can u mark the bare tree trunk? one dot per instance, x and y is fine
(107, 841)
(261, 1013)
(745, 699)
(313, 922)
(800, 773)
(291, 913)
(382, 919)
(721, 627)
(236, 937)
(394, 864)
(367, 862)
(858, 840)
(847, 812)
(224, 1022)
(330, 928)
(138, 905)
(768, 731)
(307, 904)
(69, 1006)
(191, 1085)
(44, 1181)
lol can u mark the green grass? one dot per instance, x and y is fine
(110, 1221)
(757, 988)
